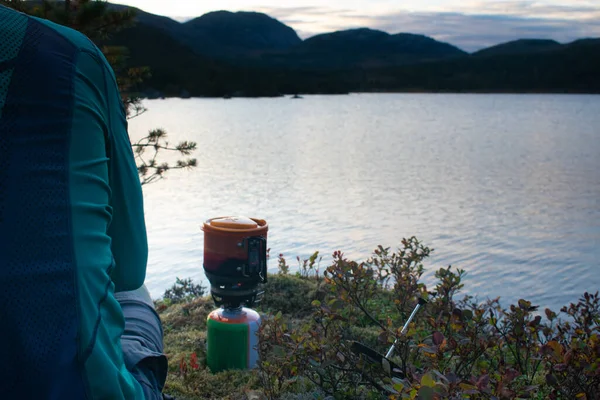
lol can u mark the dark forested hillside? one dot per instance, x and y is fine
(369, 48)
(252, 54)
(522, 46)
(573, 68)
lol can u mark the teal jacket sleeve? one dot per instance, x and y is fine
(128, 228)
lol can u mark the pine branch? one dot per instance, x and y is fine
(95, 20)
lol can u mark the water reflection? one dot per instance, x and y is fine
(504, 186)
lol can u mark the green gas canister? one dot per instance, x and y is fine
(232, 339)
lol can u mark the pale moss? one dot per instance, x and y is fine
(185, 334)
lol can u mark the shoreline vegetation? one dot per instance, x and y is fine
(456, 348)
(160, 96)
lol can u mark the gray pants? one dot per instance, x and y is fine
(142, 342)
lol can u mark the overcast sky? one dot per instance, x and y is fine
(469, 24)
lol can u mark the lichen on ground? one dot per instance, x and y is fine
(184, 327)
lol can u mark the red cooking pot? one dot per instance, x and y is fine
(235, 252)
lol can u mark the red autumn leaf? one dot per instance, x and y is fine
(568, 357)
(483, 382)
(194, 361)
(438, 338)
(452, 343)
(383, 337)
(551, 315)
(510, 375)
(182, 366)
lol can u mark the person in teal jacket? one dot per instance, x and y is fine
(76, 319)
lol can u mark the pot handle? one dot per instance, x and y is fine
(257, 258)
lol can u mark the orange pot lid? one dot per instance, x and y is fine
(234, 223)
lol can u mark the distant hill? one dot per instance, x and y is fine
(252, 54)
(584, 43)
(260, 40)
(570, 68)
(224, 34)
(241, 33)
(371, 48)
(176, 69)
(369, 41)
(522, 46)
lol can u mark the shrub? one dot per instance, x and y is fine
(184, 290)
(456, 348)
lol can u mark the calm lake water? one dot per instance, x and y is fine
(506, 187)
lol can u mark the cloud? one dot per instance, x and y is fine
(473, 32)
(528, 9)
(181, 19)
(472, 25)
(283, 12)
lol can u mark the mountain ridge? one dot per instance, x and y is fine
(207, 59)
(252, 35)
(161, 22)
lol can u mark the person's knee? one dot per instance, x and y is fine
(140, 294)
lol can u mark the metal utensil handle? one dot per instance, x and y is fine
(405, 327)
(412, 316)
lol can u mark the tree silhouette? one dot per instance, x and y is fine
(98, 22)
